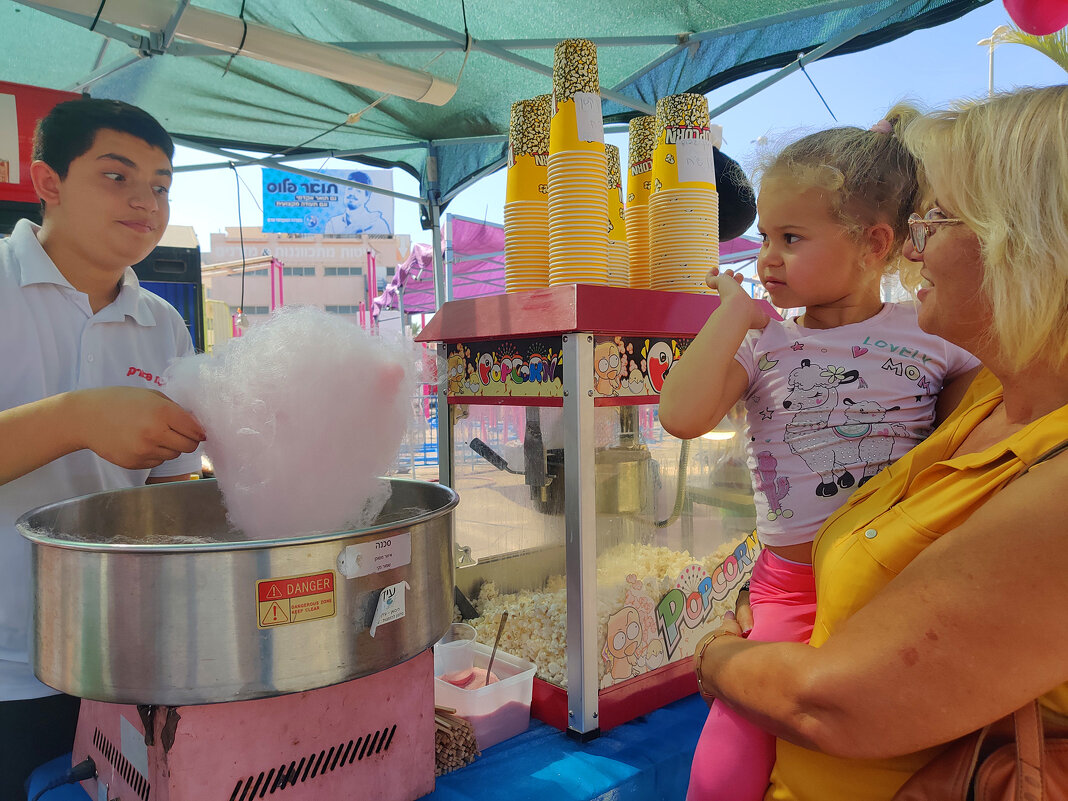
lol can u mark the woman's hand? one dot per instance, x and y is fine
(729, 628)
(729, 286)
(743, 611)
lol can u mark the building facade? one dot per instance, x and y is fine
(330, 272)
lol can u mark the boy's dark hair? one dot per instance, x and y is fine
(68, 131)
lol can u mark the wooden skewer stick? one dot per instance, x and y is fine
(496, 642)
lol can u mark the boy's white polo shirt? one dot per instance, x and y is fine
(51, 342)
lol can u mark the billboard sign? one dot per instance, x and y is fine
(297, 204)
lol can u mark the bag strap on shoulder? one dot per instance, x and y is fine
(1044, 457)
(1030, 751)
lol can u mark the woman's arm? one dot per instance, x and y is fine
(971, 630)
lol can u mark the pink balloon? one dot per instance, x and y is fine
(1038, 17)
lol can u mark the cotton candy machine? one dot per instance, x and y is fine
(214, 666)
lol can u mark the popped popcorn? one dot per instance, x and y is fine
(537, 619)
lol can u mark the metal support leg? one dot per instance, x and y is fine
(580, 516)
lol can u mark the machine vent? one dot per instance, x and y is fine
(131, 775)
(307, 768)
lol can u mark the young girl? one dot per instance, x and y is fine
(831, 396)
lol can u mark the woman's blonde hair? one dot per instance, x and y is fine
(869, 175)
(1001, 165)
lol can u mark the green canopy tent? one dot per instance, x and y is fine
(143, 52)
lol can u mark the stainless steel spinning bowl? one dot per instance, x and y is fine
(148, 596)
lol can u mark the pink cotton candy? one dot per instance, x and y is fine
(303, 413)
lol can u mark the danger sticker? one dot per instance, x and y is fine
(295, 599)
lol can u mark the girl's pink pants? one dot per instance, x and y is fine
(734, 757)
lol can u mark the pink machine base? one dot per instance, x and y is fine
(370, 738)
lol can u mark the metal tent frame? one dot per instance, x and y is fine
(446, 165)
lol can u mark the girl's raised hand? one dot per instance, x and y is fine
(728, 284)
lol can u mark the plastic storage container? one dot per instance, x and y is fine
(497, 711)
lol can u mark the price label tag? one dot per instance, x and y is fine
(390, 605)
(716, 132)
(695, 162)
(588, 117)
(377, 556)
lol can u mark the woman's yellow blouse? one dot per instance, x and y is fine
(867, 542)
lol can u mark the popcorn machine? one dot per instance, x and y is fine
(613, 546)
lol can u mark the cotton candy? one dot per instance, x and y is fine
(303, 414)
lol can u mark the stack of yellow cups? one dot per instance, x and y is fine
(639, 185)
(683, 206)
(526, 208)
(618, 254)
(578, 203)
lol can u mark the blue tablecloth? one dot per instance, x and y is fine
(646, 759)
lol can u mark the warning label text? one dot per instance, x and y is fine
(294, 599)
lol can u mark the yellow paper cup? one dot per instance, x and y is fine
(528, 130)
(682, 157)
(528, 179)
(577, 125)
(642, 141)
(574, 69)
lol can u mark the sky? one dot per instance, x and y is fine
(931, 68)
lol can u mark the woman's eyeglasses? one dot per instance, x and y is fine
(922, 227)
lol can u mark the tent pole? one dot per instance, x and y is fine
(469, 42)
(505, 44)
(102, 72)
(831, 44)
(247, 162)
(441, 290)
(302, 156)
(433, 206)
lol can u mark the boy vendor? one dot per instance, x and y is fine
(81, 345)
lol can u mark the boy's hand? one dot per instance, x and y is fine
(135, 428)
(728, 284)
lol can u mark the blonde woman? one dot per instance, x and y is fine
(941, 584)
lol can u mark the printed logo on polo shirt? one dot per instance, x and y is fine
(152, 379)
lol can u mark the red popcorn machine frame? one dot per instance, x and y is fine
(576, 504)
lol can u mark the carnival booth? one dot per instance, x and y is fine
(214, 665)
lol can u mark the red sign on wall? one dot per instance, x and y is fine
(20, 109)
